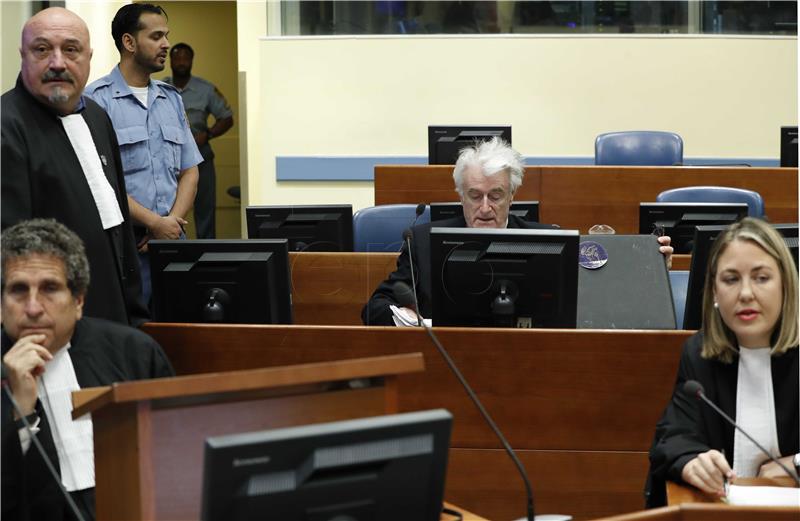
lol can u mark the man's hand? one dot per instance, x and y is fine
(770, 469)
(24, 362)
(666, 249)
(167, 227)
(708, 472)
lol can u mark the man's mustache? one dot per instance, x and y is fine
(52, 75)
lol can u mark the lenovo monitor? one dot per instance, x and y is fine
(678, 220)
(789, 146)
(221, 281)
(504, 277)
(307, 227)
(445, 142)
(385, 468)
(525, 210)
(703, 240)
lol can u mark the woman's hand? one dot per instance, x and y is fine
(708, 472)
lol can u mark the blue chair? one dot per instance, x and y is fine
(715, 194)
(679, 282)
(639, 147)
(380, 228)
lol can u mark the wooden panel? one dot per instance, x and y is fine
(122, 445)
(543, 387)
(331, 288)
(580, 405)
(582, 484)
(416, 184)
(578, 197)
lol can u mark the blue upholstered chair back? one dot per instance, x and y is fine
(715, 194)
(639, 147)
(380, 228)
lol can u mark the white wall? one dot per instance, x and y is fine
(726, 96)
(12, 17)
(98, 15)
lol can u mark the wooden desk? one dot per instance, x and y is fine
(678, 494)
(331, 288)
(579, 406)
(577, 197)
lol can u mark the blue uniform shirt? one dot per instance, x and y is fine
(155, 142)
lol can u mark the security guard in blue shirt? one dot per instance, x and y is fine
(159, 155)
(201, 99)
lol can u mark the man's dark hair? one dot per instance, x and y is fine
(127, 20)
(47, 237)
(178, 46)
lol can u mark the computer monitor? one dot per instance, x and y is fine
(445, 142)
(221, 281)
(385, 468)
(789, 146)
(504, 277)
(678, 220)
(307, 227)
(703, 241)
(525, 210)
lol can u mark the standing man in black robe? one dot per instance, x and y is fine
(60, 159)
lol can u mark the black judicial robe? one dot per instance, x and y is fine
(377, 312)
(689, 427)
(42, 177)
(102, 353)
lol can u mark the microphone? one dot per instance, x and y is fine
(405, 297)
(695, 389)
(72, 506)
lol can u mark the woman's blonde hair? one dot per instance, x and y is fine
(719, 341)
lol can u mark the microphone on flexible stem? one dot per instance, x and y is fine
(695, 389)
(72, 506)
(406, 297)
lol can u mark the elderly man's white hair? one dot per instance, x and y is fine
(491, 157)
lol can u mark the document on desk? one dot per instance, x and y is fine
(763, 496)
(404, 317)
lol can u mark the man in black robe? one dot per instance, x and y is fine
(60, 159)
(49, 351)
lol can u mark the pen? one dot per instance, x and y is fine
(725, 482)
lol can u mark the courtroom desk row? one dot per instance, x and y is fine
(331, 288)
(578, 197)
(579, 405)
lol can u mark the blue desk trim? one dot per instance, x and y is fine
(361, 168)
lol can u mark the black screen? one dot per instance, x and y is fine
(678, 220)
(789, 146)
(504, 277)
(307, 228)
(386, 468)
(704, 240)
(221, 281)
(445, 142)
(525, 210)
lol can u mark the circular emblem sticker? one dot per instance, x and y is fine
(592, 255)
